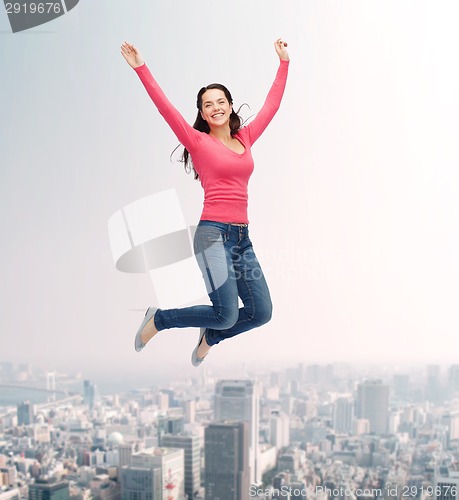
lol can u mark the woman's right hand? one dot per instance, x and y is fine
(132, 55)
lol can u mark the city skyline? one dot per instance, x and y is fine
(19, 377)
(164, 442)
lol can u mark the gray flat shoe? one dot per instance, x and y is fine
(195, 360)
(138, 344)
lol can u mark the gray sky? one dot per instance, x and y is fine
(353, 203)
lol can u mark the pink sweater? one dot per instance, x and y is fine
(224, 174)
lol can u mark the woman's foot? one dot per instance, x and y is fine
(201, 350)
(147, 329)
(148, 332)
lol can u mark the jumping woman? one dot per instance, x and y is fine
(217, 147)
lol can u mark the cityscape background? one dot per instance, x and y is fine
(335, 431)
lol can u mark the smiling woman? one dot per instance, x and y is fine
(219, 149)
(215, 115)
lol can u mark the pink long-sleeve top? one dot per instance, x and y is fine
(224, 174)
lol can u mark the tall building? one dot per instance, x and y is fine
(191, 447)
(446, 484)
(343, 415)
(170, 425)
(226, 453)
(279, 429)
(8, 475)
(401, 386)
(172, 465)
(238, 400)
(451, 422)
(25, 413)
(453, 378)
(317, 374)
(162, 400)
(125, 452)
(373, 405)
(274, 379)
(44, 490)
(433, 387)
(90, 394)
(189, 411)
(140, 483)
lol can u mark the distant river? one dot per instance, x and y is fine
(11, 396)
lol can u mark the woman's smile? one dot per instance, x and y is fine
(216, 109)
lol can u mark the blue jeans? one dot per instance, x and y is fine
(230, 270)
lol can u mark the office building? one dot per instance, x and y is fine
(189, 411)
(172, 465)
(90, 394)
(226, 453)
(140, 483)
(170, 425)
(401, 386)
(373, 405)
(446, 484)
(191, 447)
(453, 378)
(279, 429)
(238, 400)
(125, 452)
(44, 490)
(343, 415)
(25, 413)
(433, 387)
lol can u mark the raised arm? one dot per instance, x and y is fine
(255, 128)
(185, 133)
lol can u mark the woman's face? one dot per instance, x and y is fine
(216, 109)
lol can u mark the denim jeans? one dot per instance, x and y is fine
(230, 270)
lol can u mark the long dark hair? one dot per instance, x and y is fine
(235, 123)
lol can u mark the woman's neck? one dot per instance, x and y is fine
(224, 134)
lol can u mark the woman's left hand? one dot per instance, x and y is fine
(281, 49)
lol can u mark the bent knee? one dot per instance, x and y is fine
(228, 319)
(263, 315)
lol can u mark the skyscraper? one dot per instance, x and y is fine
(373, 405)
(140, 483)
(446, 484)
(191, 448)
(453, 378)
(279, 429)
(170, 425)
(189, 411)
(238, 400)
(343, 415)
(44, 490)
(125, 450)
(226, 457)
(25, 413)
(172, 465)
(433, 388)
(90, 394)
(401, 386)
